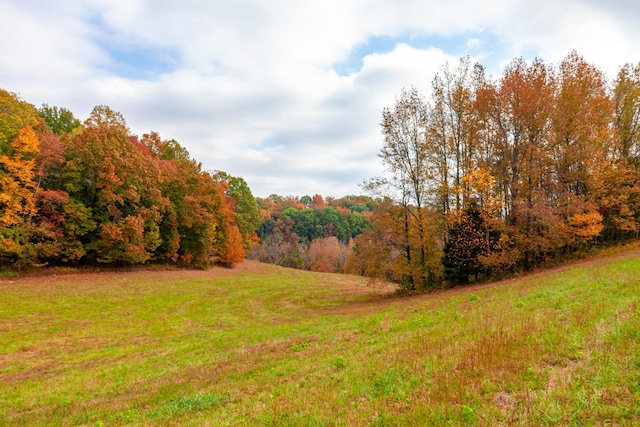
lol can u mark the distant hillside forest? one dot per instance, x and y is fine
(486, 177)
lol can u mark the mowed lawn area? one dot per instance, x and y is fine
(263, 345)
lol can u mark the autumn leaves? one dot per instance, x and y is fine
(489, 175)
(507, 173)
(94, 193)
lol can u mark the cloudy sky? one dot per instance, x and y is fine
(287, 94)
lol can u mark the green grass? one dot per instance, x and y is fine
(261, 345)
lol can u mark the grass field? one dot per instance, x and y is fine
(262, 345)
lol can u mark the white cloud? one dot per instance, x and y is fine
(249, 86)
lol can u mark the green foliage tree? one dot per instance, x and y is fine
(306, 222)
(59, 119)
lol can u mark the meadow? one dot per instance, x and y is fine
(264, 345)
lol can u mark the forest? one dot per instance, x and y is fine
(485, 177)
(493, 176)
(92, 193)
(311, 233)
(488, 177)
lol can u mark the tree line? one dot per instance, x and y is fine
(488, 176)
(498, 175)
(310, 232)
(90, 192)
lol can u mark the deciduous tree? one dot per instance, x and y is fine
(247, 215)
(107, 173)
(59, 119)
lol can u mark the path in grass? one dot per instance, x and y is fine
(259, 344)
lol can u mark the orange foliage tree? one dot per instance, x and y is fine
(536, 164)
(327, 255)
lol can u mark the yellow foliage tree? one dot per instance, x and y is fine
(17, 200)
(586, 226)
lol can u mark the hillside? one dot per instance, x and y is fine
(260, 344)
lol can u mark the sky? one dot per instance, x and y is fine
(287, 94)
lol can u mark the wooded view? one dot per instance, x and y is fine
(92, 193)
(502, 175)
(487, 176)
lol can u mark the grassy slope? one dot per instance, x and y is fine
(271, 346)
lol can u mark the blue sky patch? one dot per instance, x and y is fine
(140, 63)
(469, 43)
(129, 59)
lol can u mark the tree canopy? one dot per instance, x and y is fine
(494, 175)
(93, 193)
(487, 176)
